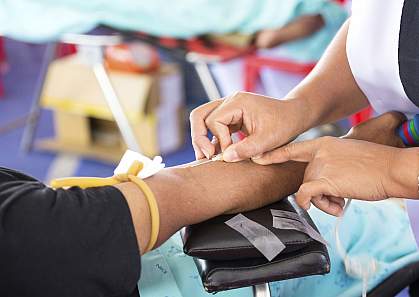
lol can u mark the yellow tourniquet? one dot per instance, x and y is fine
(131, 175)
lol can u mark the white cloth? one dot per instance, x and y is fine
(372, 48)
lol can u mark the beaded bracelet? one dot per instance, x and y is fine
(409, 132)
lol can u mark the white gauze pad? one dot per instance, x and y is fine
(150, 168)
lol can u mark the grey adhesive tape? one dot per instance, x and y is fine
(285, 214)
(284, 223)
(289, 220)
(259, 236)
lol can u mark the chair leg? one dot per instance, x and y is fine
(261, 290)
(207, 80)
(115, 106)
(26, 143)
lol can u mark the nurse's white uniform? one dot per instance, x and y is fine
(382, 229)
(373, 53)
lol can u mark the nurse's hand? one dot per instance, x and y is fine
(267, 122)
(351, 169)
(381, 130)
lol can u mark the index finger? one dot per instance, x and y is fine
(329, 204)
(303, 151)
(200, 141)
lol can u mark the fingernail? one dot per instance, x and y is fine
(230, 156)
(206, 153)
(214, 140)
(257, 157)
(258, 160)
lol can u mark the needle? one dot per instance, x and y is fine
(218, 157)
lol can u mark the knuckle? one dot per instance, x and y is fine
(224, 138)
(240, 96)
(209, 122)
(252, 148)
(287, 150)
(329, 186)
(247, 150)
(195, 114)
(199, 141)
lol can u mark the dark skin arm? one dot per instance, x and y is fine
(189, 195)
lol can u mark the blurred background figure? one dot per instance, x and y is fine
(161, 58)
(81, 81)
(286, 53)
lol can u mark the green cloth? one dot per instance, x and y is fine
(43, 20)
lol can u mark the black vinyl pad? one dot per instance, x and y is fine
(226, 260)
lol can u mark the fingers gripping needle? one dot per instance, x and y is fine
(218, 157)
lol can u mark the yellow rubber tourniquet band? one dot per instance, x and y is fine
(131, 175)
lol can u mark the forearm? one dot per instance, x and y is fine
(191, 194)
(329, 92)
(188, 195)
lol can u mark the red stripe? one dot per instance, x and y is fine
(406, 134)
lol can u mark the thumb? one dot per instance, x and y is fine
(244, 149)
(310, 190)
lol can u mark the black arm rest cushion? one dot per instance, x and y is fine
(227, 260)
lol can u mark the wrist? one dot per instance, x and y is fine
(321, 105)
(193, 193)
(314, 106)
(404, 172)
(304, 114)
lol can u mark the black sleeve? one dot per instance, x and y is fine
(65, 243)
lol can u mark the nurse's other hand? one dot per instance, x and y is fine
(381, 129)
(349, 168)
(267, 122)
